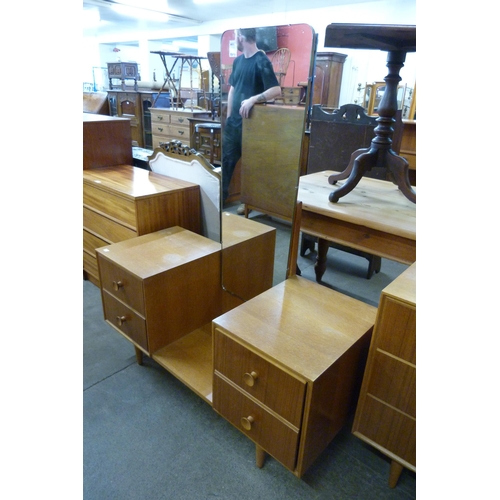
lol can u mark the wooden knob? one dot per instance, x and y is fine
(250, 378)
(117, 285)
(246, 422)
(120, 320)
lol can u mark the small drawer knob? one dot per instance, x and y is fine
(120, 320)
(117, 285)
(246, 422)
(250, 378)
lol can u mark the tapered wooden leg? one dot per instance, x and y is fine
(260, 456)
(394, 474)
(320, 265)
(138, 355)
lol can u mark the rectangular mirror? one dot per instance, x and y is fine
(265, 179)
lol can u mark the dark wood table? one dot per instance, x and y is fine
(397, 40)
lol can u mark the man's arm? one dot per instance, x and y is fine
(268, 95)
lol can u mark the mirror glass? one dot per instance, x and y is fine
(266, 176)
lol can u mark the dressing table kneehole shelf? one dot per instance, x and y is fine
(288, 366)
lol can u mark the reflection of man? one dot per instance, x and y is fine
(252, 81)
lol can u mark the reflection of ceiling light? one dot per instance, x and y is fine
(203, 2)
(140, 13)
(91, 18)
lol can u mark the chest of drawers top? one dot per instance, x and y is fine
(132, 182)
(293, 326)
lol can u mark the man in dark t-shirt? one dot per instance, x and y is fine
(252, 81)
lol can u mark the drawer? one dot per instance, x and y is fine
(91, 242)
(290, 91)
(105, 228)
(389, 429)
(261, 426)
(125, 320)
(278, 390)
(110, 204)
(291, 100)
(396, 329)
(121, 284)
(90, 264)
(179, 120)
(178, 132)
(394, 382)
(158, 117)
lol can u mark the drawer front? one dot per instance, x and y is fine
(90, 264)
(110, 204)
(179, 120)
(91, 242)
(390, 429)
(261, 426)
(276, 389)
(121, 284)
(396, 329)
(124, 319)
(105, 228)
(394, 382)
(158, 117)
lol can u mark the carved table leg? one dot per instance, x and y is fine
(320, 266)
(260, 456)
(394, 474)
(347, 172)
(363, 162)
(138, 355)
(398, 166)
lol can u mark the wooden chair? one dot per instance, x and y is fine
(280, 61)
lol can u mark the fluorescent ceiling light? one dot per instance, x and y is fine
(204, 2)
(140, 13)
(157, 5)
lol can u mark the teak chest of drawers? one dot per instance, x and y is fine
(287, 368)
(122, 202)
(161, 286)
(172, 125)
(386, 411)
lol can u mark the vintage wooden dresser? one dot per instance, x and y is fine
(123, 201)
(173, 124)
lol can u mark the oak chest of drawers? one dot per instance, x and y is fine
(386, 411)
(161, 286)
(122, 202)
(287, 368)
(172, 125)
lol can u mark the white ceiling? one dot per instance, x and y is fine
(183, 13)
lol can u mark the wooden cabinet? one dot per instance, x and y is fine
(386, 411)
(287, 368)
(162, 290)
(122, 202)
(173, 125)
(161, 286)
(327, 78)
(106, 141)
(409, 148)
(136, 107)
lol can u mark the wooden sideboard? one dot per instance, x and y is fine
(136, 107)
(122, 202)
(386, 412)
(287, 368)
